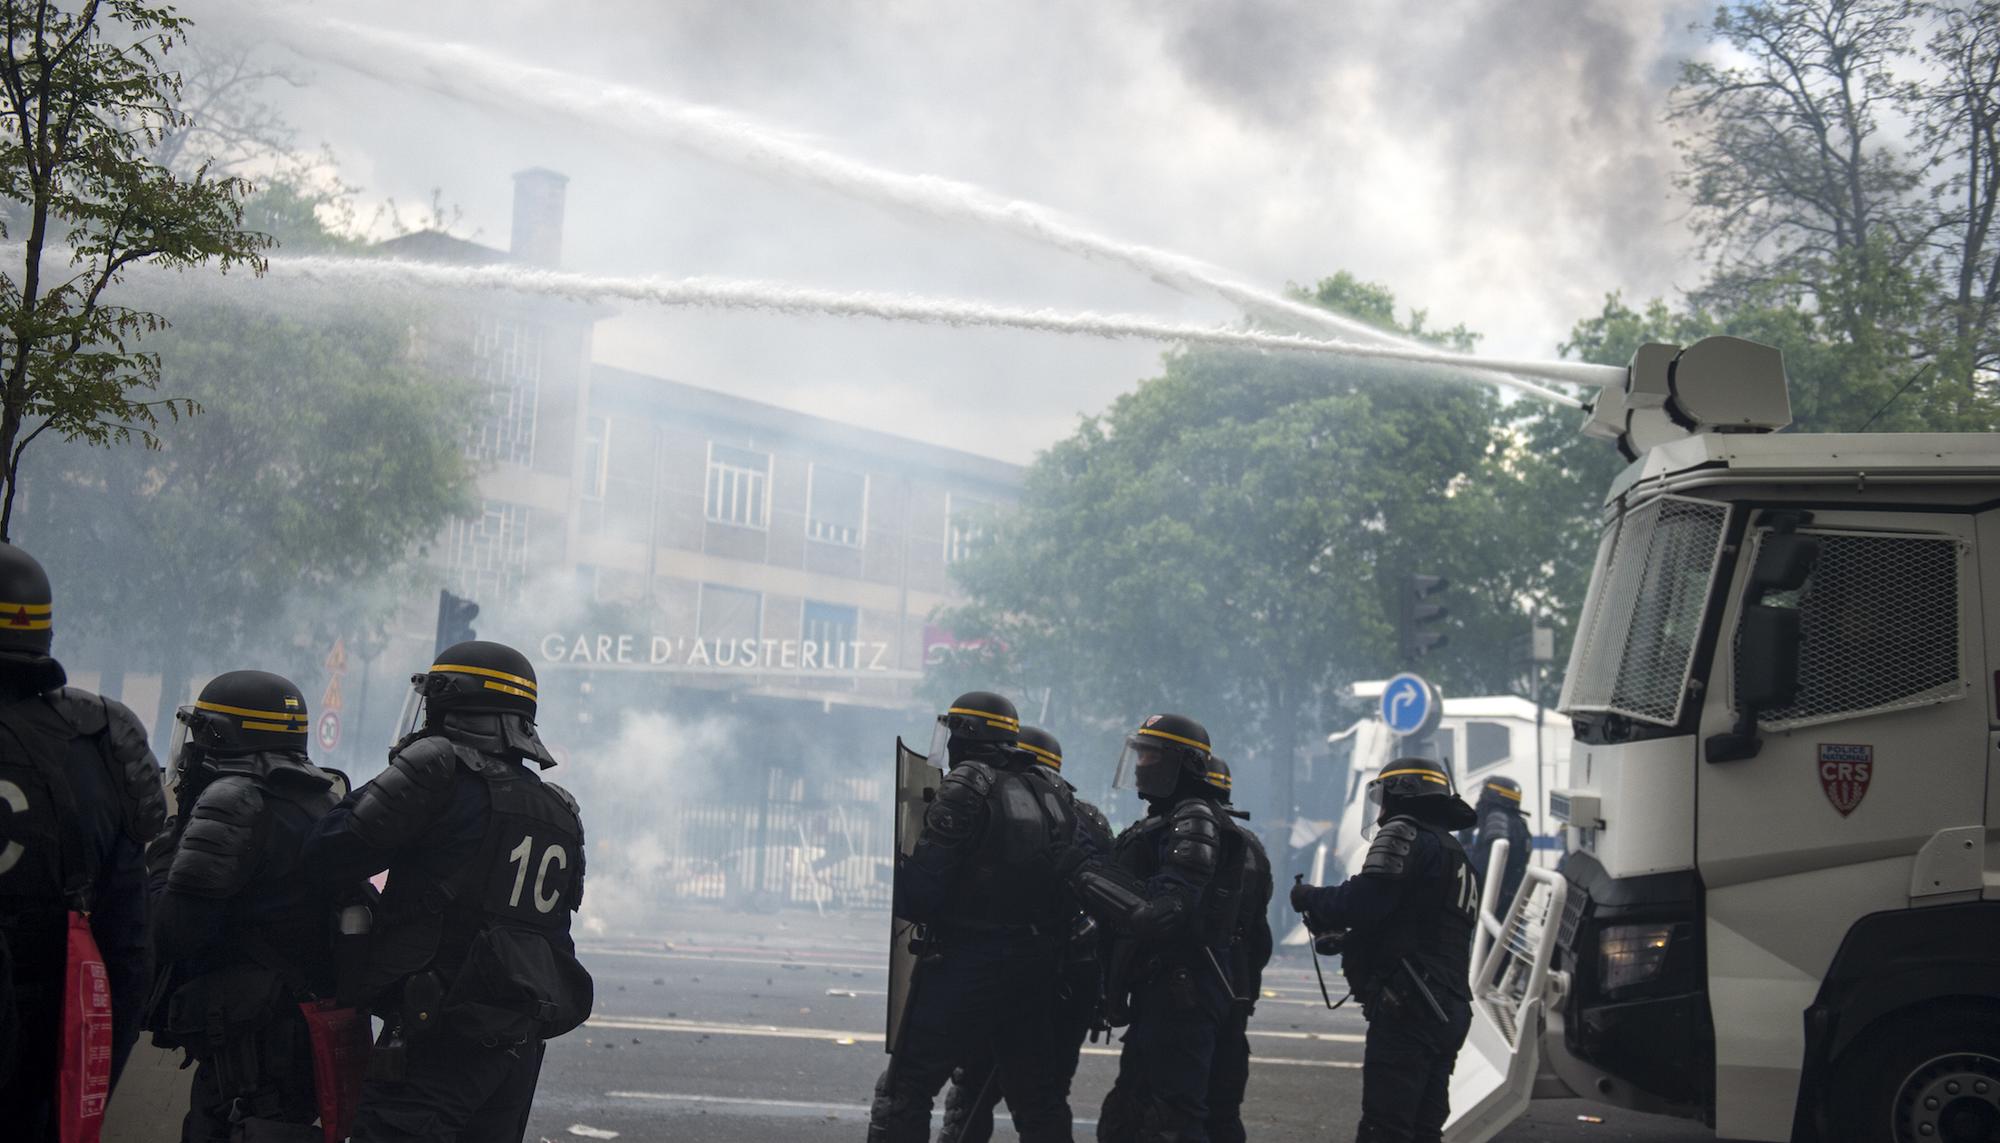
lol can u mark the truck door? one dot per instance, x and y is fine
(1884, 746)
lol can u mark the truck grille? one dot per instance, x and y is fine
(1572, 918)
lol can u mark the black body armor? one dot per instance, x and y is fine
(1028, 813)
(1432, 927)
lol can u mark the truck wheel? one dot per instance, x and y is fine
(1934, 1079)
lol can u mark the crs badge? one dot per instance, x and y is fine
(1844, 773)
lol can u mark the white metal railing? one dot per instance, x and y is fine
(1511, 971)
(1511, 988)
(1489, 925)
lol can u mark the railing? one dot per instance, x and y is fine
(1490, 924)
(824, 856)
(1511, 987)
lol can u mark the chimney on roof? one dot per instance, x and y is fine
(538, 216)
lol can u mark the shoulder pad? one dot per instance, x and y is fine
(218, 849)
(1094, 824)
(961, 801)
(568, 801)
(1391, 853)
(1495, 822)
(400, 801)
(125, 738)
(1194, 836)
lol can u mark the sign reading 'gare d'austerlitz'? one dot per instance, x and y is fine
(750, 656)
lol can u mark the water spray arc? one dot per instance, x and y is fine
(466, 72)
(777, 298)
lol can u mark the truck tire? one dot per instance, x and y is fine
(1926, 1077)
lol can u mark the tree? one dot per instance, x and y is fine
(1227, 540)
(83, 96)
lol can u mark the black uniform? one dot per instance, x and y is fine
(976, 1087)
(1250, 952)
(1500, 818)
(243, 938)
(82, 798)
(472, 964)
(981, 880)
(1410, 913)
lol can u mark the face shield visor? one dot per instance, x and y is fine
(1410, 782)
(177, 756)
(1145, 767)
(940, 752)
(412, 716)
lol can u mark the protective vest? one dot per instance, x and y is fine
(46, 868)
(1146, 848)
(1028, 813)
(1250, 938)
(1431, 928)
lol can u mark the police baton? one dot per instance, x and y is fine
(1424, 990)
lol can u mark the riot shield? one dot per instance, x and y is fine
(916, 784)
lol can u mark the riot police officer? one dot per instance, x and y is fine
(1408, 917)
(1171, 895)
(984, 881)
(1500, 817)
(472, 965)
(80, 798)
(242, 937)
(976, 1087)
(1250, 951)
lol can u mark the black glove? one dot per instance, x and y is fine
(1301, 893)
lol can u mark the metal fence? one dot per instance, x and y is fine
(823, 856)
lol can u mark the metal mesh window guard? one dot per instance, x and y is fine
(1645, 610)
(1879, 628)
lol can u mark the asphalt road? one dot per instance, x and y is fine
(746, 1028)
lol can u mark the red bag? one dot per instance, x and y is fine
(340, 1044)
(85, 1084)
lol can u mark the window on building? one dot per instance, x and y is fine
(595, 463)
(964, 526)
(486, 556)
(831, 630)
(507, 364)
(839, 509)
(729, 613)
(1486, 744)
(739, 486)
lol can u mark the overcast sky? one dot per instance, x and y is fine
(1497, 162)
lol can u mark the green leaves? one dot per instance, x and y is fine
(84, 97)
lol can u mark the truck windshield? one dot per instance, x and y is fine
(1643, 615)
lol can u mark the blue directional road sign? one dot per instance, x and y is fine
(1410, 705)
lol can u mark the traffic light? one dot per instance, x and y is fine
(1417, 619)
(455, 616)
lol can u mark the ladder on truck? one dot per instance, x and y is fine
(1511, 988)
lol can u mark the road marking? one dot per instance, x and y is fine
(716, 1028)
(599, 950)
(788, 1104)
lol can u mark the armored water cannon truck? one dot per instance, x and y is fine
(1780, 912)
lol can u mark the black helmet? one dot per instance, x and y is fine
(242, 712)
(27, 607)
(1165, 749)
(1042, 747)
(1505, 792)
(1217, 775)
(1421, 788)
(975, 719)
(478, 676)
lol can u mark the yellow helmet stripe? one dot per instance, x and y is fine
(485, 672)
(1048, 756)
(1218, 778)
(281, 728)
(1426, 775)
(1505, 792)
(1000, 721)
(505, 689)
(28, 608)
(20, 624)
(1198, 745)
(246, 712)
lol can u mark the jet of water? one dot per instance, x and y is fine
(379, 274)
(475, 74)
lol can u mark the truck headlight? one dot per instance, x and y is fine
(1631, 954)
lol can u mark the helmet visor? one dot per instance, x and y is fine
(1145, 767)
(940, 751)
(1372, 816)
(177, 759)
(412, 715)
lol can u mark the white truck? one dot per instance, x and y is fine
(1479, 737)
(1781, 910)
